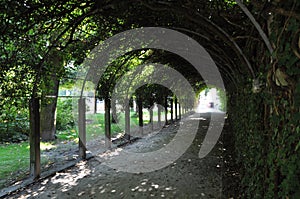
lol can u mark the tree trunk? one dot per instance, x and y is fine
(48, 118)
(49, 96)
(114, 112)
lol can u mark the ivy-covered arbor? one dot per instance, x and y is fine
(255, 44)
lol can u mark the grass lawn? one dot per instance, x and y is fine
(14, 160)
(95, 126)
(14, 157)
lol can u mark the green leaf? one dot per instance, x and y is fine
(297, 146)
(297, 95)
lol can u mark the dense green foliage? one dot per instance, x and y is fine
(40, 38)
(223, 100)
(64, 117)
(267, 145)
(14, 125)
(267, 122)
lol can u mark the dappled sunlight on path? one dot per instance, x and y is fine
(187, 177)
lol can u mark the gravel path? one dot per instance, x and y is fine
(187, 177)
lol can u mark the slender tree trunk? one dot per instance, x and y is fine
(107, 122)
(114, 112)
(48, 113)
(49, 96)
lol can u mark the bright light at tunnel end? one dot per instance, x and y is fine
(179, 44)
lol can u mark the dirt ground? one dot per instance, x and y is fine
(187, 177)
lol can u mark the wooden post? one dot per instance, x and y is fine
(127, 121)
(140, 111)
(107, 123)
(151, 114)
(82, 128)
(179, 108)
(151, 119)
(171, 102)
(166, 110)
(176, 117)
(34, 138)
(95, 105)
(159, 115)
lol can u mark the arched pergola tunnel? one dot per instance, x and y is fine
(167, 107)
(261, 82)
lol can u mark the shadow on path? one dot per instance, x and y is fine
(187, 177)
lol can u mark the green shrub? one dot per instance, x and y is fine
(64, 117)
(14, 123)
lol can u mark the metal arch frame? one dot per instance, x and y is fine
(216, 29)
(257, 26)
(206, 38)
(236, 46)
